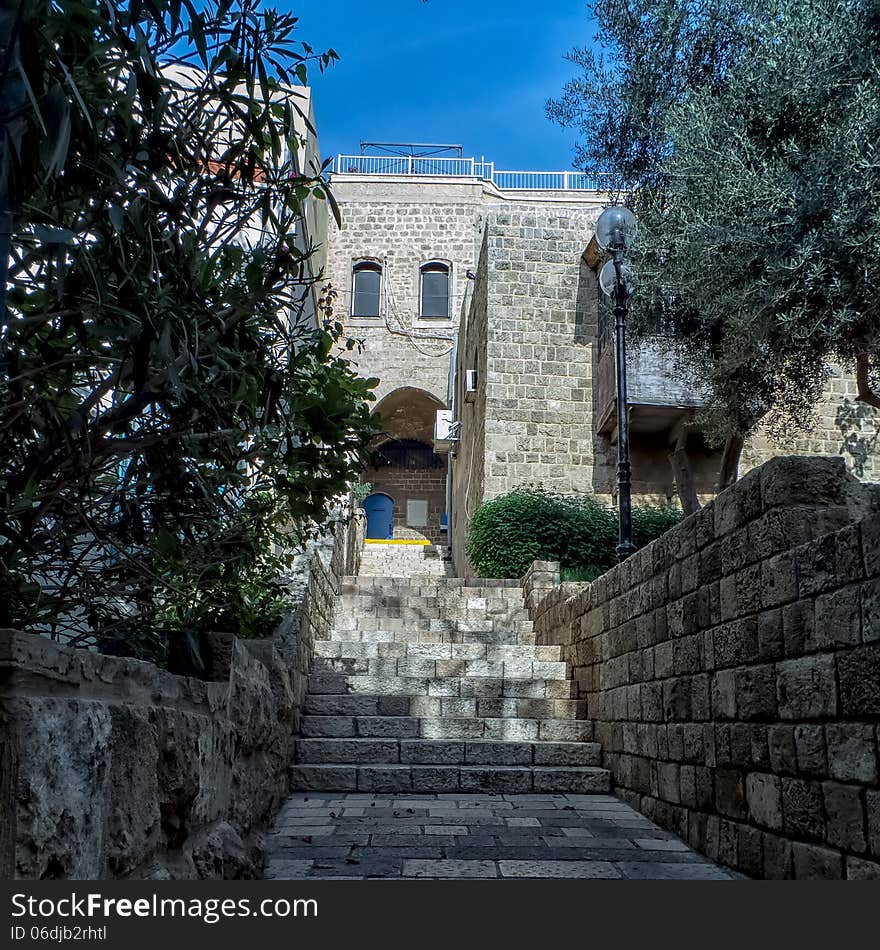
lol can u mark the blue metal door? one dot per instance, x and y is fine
(380, 516)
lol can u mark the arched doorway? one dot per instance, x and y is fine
(379, 508)
(406, 469)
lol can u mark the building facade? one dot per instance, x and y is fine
(475, 293)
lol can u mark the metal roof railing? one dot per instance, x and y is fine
(434, 166)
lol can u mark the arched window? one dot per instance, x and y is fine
(434, 289)
(366, 286)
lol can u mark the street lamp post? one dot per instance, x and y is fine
(615, 231)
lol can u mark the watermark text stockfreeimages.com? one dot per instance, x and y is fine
(210, 910)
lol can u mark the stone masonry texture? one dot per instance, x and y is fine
(439, 742)
(113, 768)
(731, 670)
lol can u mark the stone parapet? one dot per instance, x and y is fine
(113, 768)
(125, 770)
(538, 581)
(732, 672)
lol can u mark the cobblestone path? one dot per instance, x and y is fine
(321, 835)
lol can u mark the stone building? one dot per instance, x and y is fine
(475, 294)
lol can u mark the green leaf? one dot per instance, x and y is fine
(117, 218)
(49, 235)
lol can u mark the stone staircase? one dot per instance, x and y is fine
(430, 683)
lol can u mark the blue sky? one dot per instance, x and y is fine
(474, 73)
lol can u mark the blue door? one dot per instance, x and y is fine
(380, 516)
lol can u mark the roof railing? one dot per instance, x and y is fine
(433, 166)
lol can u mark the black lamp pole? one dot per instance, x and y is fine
(625, 546)
(615, 231)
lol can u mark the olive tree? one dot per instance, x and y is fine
(744, 135)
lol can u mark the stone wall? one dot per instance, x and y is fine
(841, 425)
(124, 770)
(468, 460)
(529, 326)
(529, 334)
(348, 563)
(732, 670)
(403, 225)
(113, 768)
(404, 484)
(540, 351)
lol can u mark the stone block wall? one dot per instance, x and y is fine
(402, 225)
(468, 461)
(732, 670)
(124, 770)
(541, 351)
(841, 425)
(113, 768)
(403, 484)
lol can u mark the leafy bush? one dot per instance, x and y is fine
(589, 573)
(650, 521)
(509, 532)
(527, 524)
(361, 490)
(175, 403)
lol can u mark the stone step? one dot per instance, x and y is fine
(366, 594)
(498, 779)
(496, 728)
(437, 651)
(422, 751)
(431, 620)
(503, 614)
(421, 666)
(417, 625)
(445, 582)
(403, 572)
(339, 714)
(387, 568)
(486, 686)
(396, 593)
(414, 635)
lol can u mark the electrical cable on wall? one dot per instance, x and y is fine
(404, 330)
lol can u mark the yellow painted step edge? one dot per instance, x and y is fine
(394, 541)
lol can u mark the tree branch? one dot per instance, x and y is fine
(730, 461)
(863, 382)
(681, 467)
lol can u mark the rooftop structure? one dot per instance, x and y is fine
(395, 159)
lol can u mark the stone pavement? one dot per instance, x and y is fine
(321, 835)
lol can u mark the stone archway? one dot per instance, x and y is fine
(408, 413)
(406, 467)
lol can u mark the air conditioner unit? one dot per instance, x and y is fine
(470, 385)
(445, 431)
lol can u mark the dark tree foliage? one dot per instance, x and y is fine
(744, 134)
(647, 55)
(172, 411)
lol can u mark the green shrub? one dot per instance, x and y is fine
(650, 521)
(588, 573)
(361, 490)
(528, 524)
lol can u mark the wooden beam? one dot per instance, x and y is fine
(592, 255)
